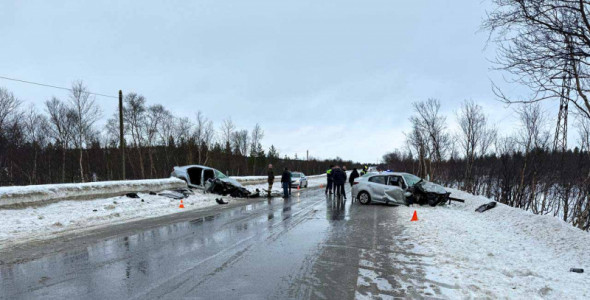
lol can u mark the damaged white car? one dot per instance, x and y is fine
(397, 188)
(196, 176)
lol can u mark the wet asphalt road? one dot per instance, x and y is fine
(310, 246)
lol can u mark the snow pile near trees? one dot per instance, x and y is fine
(501, 253)
(52, 192)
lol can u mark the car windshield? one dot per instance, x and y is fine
(296, 175)
(411, 179)
(219, 174)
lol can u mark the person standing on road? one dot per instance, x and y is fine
(354, 175)
(330, 177)
(286, 182)
(339, 180)
(271, 178)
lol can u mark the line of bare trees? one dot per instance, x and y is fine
(61, 142)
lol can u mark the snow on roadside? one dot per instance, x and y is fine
(101, 189)
(501, 253)
(54, 219)
(43, 222)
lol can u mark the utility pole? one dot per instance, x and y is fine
(121, 137)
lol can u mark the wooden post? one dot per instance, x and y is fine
(121, 137)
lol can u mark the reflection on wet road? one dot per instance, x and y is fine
(310, 246)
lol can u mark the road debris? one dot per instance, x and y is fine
(486, 206)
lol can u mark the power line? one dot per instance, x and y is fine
(54, 86)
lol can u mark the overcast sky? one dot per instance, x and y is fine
(336, 78)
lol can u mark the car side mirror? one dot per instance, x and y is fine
(407, 194)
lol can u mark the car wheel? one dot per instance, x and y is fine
(364, 198)
(306, 184)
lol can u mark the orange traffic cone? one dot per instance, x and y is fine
(321, 186)
(298, 187)
(181, 204)
(414, 217)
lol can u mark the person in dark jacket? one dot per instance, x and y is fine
(339, 180)
(286, 182)
(330, 176)
(354, 175)
(271, 178)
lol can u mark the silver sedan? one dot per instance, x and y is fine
(385, 187)
(298, 179)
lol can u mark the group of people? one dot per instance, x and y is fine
(285, 181)
(336, 179)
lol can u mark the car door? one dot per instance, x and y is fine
(393, 190)
(377, 187)
(303, 180)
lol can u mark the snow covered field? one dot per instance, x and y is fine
(44, 222)
(501, 253)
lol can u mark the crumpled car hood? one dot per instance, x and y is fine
(231, 181)
(430, 187)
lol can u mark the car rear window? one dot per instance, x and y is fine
(377, 179)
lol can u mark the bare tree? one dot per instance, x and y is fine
(240, 143)
(154, 116)
(227, 131)
(134, 115)
(473, 128)
(61, 119)
(255, 146)
(8, 106)
(545, 44)
(36, 132)
(531, 136)
(86, 113)
(417, 142)
(203, 135)
(432, 125)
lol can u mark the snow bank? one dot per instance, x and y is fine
(501, 253)
(55, 219)
(14, 195)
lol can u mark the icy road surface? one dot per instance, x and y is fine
(310, 246)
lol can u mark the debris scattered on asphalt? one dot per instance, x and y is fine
(486, 207)
(95, 210)
(186, 192)
(153, 193)
(173, 195)
(456, 199)
(221, 201)
(132, 195)
(577, 270)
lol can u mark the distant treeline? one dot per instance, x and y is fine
(61, 143)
